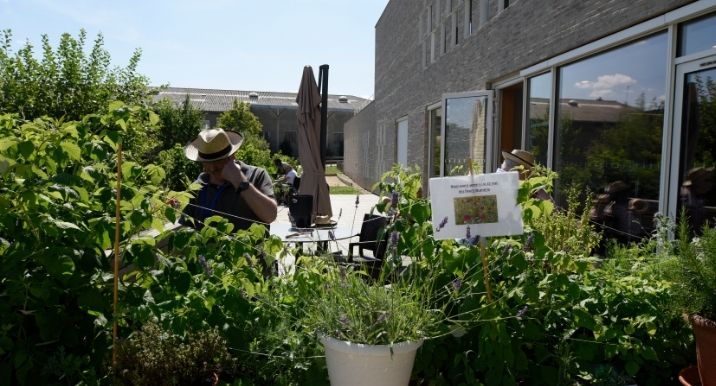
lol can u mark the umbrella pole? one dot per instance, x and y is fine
(323, 81)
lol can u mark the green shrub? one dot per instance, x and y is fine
(152, 356)
(57, 200)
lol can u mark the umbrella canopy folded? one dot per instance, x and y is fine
(313, 180)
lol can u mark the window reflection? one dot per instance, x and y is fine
(465, 119)
(698, 152)
(540, 88)
(435, 119)
(608, 136)
(697, 35)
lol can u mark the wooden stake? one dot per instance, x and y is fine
(116, 254)
(485, 268)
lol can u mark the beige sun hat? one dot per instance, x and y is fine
(521, 157)
(213, 144)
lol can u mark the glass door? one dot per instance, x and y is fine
(466, 131)
(692, 179)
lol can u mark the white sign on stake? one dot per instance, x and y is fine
(486, 203)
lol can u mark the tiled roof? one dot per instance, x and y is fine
(221, 100)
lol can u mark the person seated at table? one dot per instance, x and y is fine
(522, 161)
(241, 193)
(288, 173)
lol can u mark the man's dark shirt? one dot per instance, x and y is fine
(225, 199)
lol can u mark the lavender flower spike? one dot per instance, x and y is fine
(394, 199)
(394, 237)
(205, 265)
(442, 224)
(522, 311)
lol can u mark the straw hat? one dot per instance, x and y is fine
(213, 145)
(521, 157)
(322, 219)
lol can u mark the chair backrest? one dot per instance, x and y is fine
(372, 234)
(301, 209)
(296, 182)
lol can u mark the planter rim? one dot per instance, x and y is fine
(346, 346)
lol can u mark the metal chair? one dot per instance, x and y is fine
(372, 237)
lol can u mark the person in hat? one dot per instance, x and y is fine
(522, 161)
(516, 159)
(239, 192)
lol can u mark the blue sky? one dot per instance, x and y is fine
(228, 44)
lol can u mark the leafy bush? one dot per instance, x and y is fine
(57, 192)
(557, 315)
(66, 83)
(693, 271)
(180, 124)
(180, 170)
(152, 356)
(255, 150)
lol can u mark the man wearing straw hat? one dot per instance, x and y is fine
(241, 193)
(522, 161)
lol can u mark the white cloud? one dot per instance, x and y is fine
(605, 85)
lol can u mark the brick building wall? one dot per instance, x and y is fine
(503, 42)
(364, 146)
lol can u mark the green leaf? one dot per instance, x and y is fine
(100, 320)
(58, 265)
(170, 213)
(26, 148)
(631, 368)
(153, 118)
(72, 150)
(122, 124)
(182, 282)
(71, 129)
(209, 302)
(65, 225)
(128, 169)
(6, 143)
(115, 105)
(39, 172)
(6, 164)
(156, 173)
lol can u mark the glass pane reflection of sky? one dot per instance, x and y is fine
(625, 74)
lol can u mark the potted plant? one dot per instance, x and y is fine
(694, 283)
(370, 330)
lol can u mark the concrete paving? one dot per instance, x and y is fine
(346, 213)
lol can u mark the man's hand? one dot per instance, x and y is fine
(232, 173)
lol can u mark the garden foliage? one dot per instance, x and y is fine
(67, 82)
(255, 150)
(557, 314)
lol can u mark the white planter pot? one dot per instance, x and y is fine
(360, 364)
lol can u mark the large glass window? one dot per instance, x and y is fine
(435, 117)
(698, 148)
(697, 35)
(401, 151)
(465, 130)
(609, 130)
(540, 88)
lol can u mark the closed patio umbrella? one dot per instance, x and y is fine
(313, 180)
